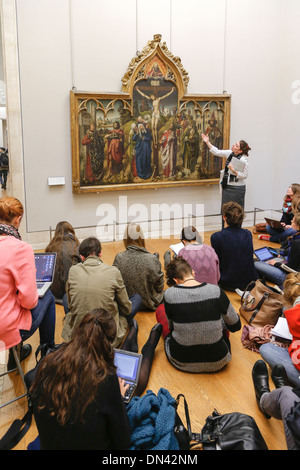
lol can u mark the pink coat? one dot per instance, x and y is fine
(18, 291)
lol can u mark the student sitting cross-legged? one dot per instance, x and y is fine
(195, 337)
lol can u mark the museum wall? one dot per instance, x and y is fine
(247, 49)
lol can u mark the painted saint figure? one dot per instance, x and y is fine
(155, 112)
(212, 165)
(143, 138)
(189, 147)
(115, 149)
(131, 149)
(94, 154)
(168, 143)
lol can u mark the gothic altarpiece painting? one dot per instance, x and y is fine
(148, 135)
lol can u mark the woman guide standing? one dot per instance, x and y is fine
(233, 177)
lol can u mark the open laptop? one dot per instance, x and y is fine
(274, 224)
(128, 366)
(265, 254)
(44, 265)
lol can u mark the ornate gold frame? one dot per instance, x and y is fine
(105, 103)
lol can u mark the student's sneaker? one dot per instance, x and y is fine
(264, 236)
(240, 292)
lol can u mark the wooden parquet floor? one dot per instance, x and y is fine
(228, 390)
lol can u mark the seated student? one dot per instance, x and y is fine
(202, 258)
(141, 270)
(94, 284)
(65, 244)
(289, 358)
(296, 205)
(77, 396)
(196, 315)
(273, 270)
(21, 310)
(234, 248)
(283, 403)
(275, 235)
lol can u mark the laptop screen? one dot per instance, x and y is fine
(263, 254)
(44, 264)
(127, 365)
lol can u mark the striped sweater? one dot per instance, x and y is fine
(197, 316)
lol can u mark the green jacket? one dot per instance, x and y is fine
(94, 284)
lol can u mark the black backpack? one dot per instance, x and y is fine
(4, 159)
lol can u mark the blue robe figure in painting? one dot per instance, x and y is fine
(143, 139)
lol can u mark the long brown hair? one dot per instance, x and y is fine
(62, 231)
(67, 380)
(64, 234)
(296, 204)
(133, 235)
(295, 187)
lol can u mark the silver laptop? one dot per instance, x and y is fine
(128, 366)
(45, 266)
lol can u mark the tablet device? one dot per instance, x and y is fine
(128, 366)
(265, 254)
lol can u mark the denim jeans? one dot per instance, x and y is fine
(43, 317)
(273, 354)
(277, 236)
(136, 302)
(270, 273)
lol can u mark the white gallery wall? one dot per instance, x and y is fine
(249, 49)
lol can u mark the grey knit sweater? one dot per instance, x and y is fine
(197, 316)
(142, 274)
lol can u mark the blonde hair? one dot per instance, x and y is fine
(10, 207)
(296, 219)
(133, 235)
(291, 288)
(296, 204)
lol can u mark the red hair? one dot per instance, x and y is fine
(10, 207)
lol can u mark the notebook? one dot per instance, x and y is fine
(237, 164)
(274, 224)
(281, 329)
(44, 265)
(265, 254)
(177, 247)
(128, 366)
